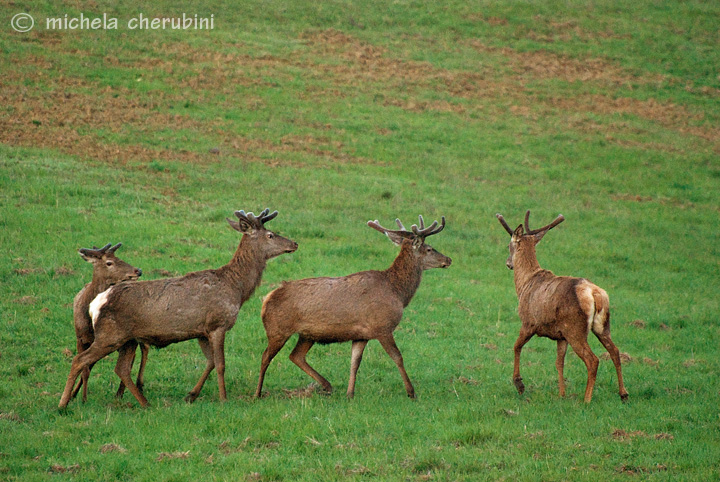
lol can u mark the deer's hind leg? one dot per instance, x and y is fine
(604, 337)
(581, 347)
(82, 361)
(126, 356)
(273, 347)
(298, 357)
(560, 364)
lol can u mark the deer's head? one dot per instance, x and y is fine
(414, 240)
(524, 239)
(253, 229)
(108, 268)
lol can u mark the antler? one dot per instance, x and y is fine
(414, 232)
(505, 224)
(259, 220)
(402, 232)
(557, 221)
(424, 232)
(98, 252)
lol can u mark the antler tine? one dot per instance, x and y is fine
(430, 230)
(240, 214)
(557, 221)
(504, 223)
(422, 222)
(95, 251)
(114, 248)
(527, 222)
(441, 227)
(400, 225)
(267, 217)
(376, 225)
(402, 232)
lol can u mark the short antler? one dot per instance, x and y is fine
(402, 232)
(99, 252)
(557, 221)
(415, 232)
(259, 220)
(424, 232)
(505, 224)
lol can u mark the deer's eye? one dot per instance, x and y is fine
(108, 263)
(270, 235)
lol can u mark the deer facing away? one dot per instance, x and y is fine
(561, 308)
(357, 308)
(202, 305)
(108, 270)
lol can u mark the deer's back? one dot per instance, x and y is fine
(329, 310)
(549, 304)
(168, 310)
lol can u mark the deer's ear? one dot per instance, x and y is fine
(395, 238)
(539, 236)
(88, 255)
(518, 231)
(241, 225)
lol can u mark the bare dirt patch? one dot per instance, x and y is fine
(172, 455)
(624, 357)
(112, 447)
(669, 115)
(65, 112)
(64, 117)
(56, 119)
(543, 64)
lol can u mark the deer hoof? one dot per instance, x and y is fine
(624, 397)
(191, 397)
(519, 385)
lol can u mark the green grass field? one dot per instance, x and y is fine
(335, 113)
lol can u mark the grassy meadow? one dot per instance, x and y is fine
(335, 113)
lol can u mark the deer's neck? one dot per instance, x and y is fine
(92, 289)
(405, 274)
(245, 269)
(525, 267)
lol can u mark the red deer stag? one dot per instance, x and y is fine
(561, 308)
(358, 308)
(202, 305)
(108, 270)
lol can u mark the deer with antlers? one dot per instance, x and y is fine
(562, 308)
(360, 307)
(202, 305)
(108, 270)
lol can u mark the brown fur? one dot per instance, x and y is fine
(202, 305)
(561, 308)
(360, 307)
(108, 270)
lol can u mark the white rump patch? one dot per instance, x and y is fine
(598, 325)
(99, 301)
